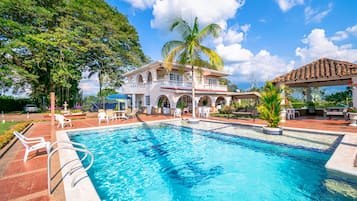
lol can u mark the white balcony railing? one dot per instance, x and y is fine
(141, 87)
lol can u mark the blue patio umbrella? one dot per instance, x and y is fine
(121, 98)
(118, 96)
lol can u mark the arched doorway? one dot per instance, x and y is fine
(163, 104)
(205, 101)
(187, 103)
(220, 102)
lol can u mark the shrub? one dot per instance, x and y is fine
(76, 111)
(8, 135)
(270, 105)
(8, 103)
(226, 110)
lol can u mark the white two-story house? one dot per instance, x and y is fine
(154, 89)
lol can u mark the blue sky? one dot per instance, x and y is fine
(260, 39)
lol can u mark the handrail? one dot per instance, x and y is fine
(82, 148)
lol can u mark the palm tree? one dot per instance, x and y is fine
(271, 105)
(189, 50)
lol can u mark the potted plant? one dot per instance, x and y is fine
(270, 109)
(352, 113)
(159, 105)
(181, 105)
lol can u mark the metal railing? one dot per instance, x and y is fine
(78, 147)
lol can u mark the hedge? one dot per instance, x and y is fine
(8, 135)
(9, 103)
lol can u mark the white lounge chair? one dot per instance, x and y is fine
(63, 121)
(177, 112)
(102, 116)
(37, 143)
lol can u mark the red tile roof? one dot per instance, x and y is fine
(323, 69)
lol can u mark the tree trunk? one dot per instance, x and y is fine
(193, 94)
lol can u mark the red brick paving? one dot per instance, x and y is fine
(28, 181)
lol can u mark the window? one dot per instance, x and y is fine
(147, 100)
(212, 81)
(175, 77)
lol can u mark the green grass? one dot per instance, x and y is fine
(6, 126)
(222, 115)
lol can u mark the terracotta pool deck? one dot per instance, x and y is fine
(28, 181)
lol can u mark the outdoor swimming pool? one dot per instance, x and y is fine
(165, 162)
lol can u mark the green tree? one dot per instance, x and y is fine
(47, 45)
(106, 92)
(341, 97)
(189, 51)
(270, 105)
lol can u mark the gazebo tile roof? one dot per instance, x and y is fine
(318, 70)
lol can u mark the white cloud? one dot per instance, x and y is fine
(260, 68)
(340, 35)
(245, 28)
(141, 4)
(312, 15)
(286, 5)
(207, 11)
(352, 30)
(90, 86)
(318, 46)
(234, 53)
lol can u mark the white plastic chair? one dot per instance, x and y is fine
(177, 112)
(63, 121)
(205, 112)
(200, 111)
(40, 143)
(131, 114)
(290, 113)
(102, 116)
(111, 115)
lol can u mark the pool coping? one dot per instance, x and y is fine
(341, 163)
(85, 189)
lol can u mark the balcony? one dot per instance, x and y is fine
(141, 88)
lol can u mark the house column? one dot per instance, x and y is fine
(308, 94)
(154, 75)
(228, 100)
(354, 91)
(133, 101)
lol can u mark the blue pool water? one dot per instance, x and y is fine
(164, 162)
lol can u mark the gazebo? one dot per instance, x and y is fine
(321, 72)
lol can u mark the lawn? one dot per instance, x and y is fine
(6, 126)
(7, 129)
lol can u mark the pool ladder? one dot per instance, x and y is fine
(78, 147)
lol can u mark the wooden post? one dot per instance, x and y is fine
(53, 130)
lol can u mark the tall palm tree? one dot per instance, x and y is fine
(189, 50)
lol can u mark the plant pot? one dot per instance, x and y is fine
(193, 121)
(272, 131)
(166, 110)
(353, 118)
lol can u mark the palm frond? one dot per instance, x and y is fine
(170, 57)
(182, 27)
(215, 60)
(213, 29)
(170, 45)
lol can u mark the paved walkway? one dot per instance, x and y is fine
(28, 181)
